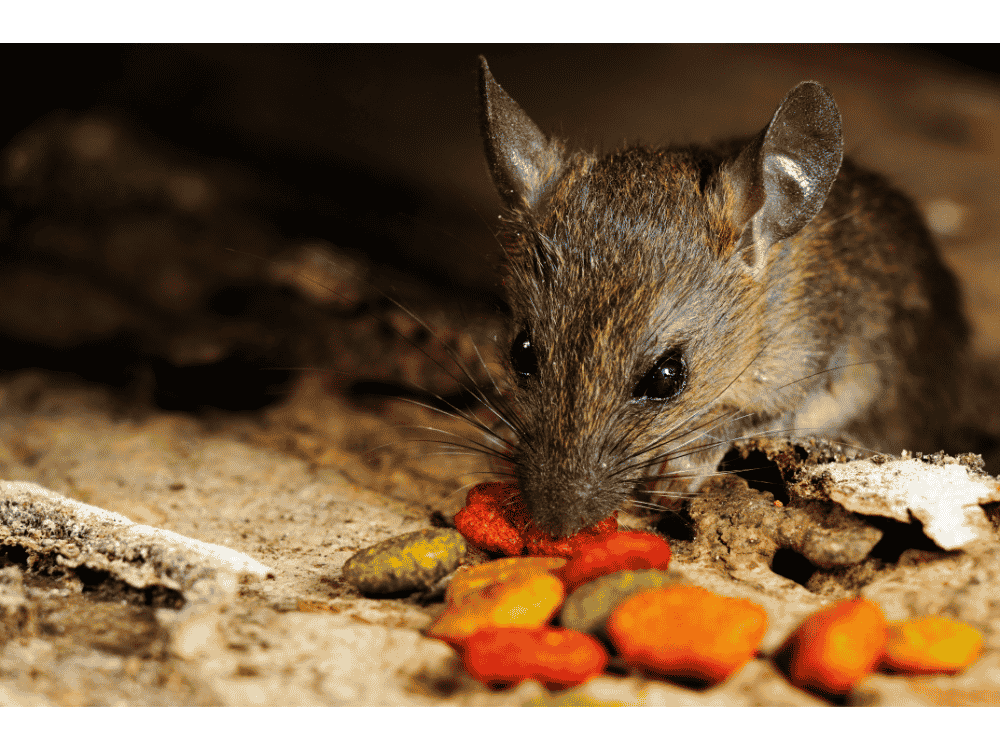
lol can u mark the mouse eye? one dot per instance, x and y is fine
(665, 379)
(522, 356)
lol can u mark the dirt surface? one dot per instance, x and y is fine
(167, 358)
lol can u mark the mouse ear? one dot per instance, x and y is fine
(522, 160)
(782, 178)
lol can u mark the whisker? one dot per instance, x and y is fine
(469, 386)
(474, 390)
(828, 369)
(670, 455)
(670, 438)
(463, 417)
(463, 488)
(478, 449)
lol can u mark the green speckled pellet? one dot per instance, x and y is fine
(408, 562)
(588, 608)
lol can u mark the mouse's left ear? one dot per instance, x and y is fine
(780, 180)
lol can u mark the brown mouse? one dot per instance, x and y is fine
(668, 301)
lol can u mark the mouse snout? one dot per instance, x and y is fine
(566, 497)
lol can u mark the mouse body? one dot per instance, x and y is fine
(666, 302)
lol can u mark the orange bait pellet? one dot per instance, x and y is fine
(555, 657)
(835, 647)
(623, 550)
(537, 542)
(527, 601)
(495, 518)
(687, 632)
(930, 645)
(478, 577)
(491, 493)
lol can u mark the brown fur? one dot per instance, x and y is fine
(850, 330)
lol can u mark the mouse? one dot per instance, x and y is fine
(666, 302)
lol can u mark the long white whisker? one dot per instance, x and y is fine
(461, 417)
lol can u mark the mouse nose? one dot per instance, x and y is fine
(562, 506)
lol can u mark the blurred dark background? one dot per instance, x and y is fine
(373, 146)
(143, 183)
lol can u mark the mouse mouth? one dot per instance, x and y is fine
(563, 505)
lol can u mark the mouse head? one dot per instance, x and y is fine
(635, 281)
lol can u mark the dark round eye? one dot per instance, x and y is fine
(522, 356)
(665, 379)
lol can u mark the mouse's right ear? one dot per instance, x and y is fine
(781, 179)
(522, 160)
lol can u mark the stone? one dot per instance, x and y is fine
(404, 563)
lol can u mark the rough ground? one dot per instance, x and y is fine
(152, 372)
